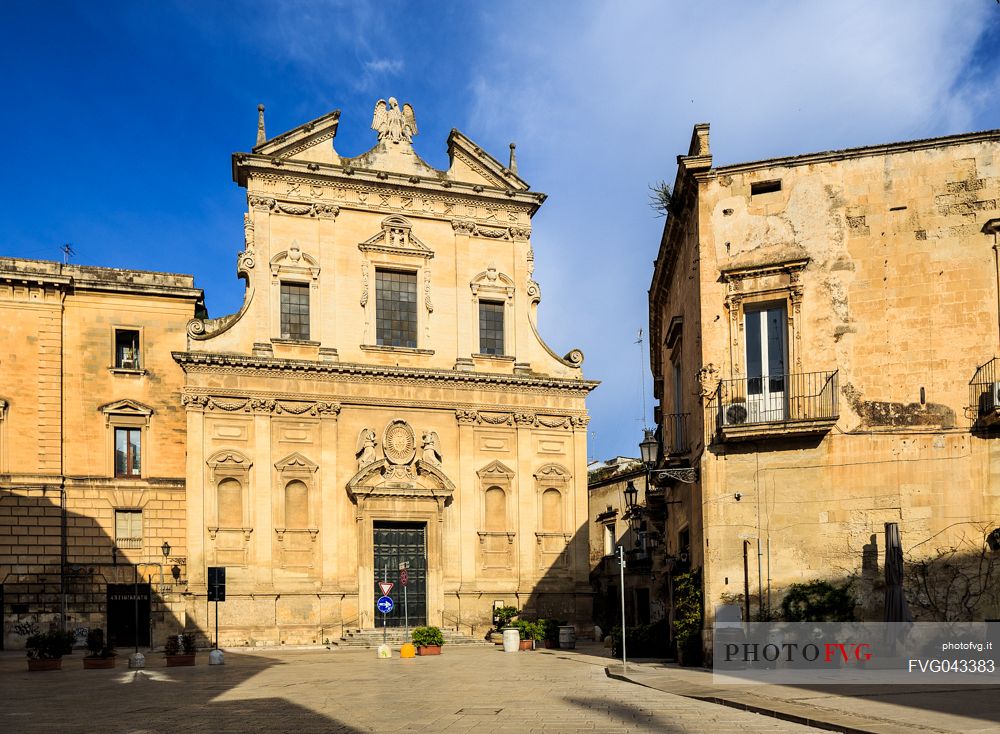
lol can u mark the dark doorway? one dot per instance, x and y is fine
(642, 606)
(396, 542)
(123, 602)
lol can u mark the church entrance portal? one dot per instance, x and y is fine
(396, 542)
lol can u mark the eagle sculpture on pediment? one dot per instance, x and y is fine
(392, 123)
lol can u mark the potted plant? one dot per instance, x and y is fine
(179, 650)
(45, 650)
(428, 640)
(99, 655)
(550, 632)
(529, 632)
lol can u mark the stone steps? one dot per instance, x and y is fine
(395, 637)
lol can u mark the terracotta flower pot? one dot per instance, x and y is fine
(45, 664)
(551, 644)
(527, 645)
(429, 650)
(98, 663)
(175, 661)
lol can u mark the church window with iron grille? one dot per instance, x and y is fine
(396, 308)
(295, 311)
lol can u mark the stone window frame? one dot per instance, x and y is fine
(127, 414)
(494, 287)
(228, 464)
(757, 285)
(554, 476)
(294, 266)
(395, 247)
(296, 467)
(496, 474)
(609, 528)
(142, 529)
(140, 368)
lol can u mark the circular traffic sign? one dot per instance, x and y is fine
(384, 604)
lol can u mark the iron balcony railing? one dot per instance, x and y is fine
(674, 430)
(806, 396)
(984, 390)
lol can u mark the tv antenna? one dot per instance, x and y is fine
(68, 252)
(642, 376)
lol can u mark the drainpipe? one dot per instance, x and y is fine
(993, 227)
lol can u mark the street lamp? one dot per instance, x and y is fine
(647, 449)
(166, 549)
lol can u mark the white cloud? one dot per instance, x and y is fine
(383, 66)
(601, 98)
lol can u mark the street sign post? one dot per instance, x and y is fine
(385, 604)
(216, 593)
(404, 578)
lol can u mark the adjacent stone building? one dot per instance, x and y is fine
(613, 525)
(382, 398)
(92, 448)
(823, 329)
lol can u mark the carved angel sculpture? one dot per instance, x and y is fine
(431, 448)
(366, 448)
(392, 123)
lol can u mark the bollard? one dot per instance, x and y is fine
(407, 651)
(384, 652)
(216, 658)
(137, 661)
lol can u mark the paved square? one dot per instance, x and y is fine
(463, 690)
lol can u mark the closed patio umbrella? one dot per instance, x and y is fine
(896, 609)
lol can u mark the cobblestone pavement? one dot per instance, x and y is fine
(304, 691)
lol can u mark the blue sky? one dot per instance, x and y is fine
(120, 119)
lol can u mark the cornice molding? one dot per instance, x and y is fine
(520, 419)
(203, 403)
(318, 175)
(237, 363)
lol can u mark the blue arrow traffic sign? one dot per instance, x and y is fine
(384, 604)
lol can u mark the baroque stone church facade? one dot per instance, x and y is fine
(381, 399)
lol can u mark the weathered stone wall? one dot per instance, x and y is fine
(880, 258)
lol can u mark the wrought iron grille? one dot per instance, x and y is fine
(806, 396)
(674, 429)
(984, 389)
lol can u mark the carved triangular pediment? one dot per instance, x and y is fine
(293, 260)
(396, 238)
(421, 480)
(312, 141)
(495, 470)
(229, 458)
(551, 472)
(296, 462)
(126, 407)
(472, 164)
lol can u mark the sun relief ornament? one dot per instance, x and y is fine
(399, 443)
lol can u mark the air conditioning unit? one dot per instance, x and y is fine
(989, 401)
(733, 414)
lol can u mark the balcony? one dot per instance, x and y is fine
(674, 432)
(984, 397)
(129, 543)
(776, 406)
